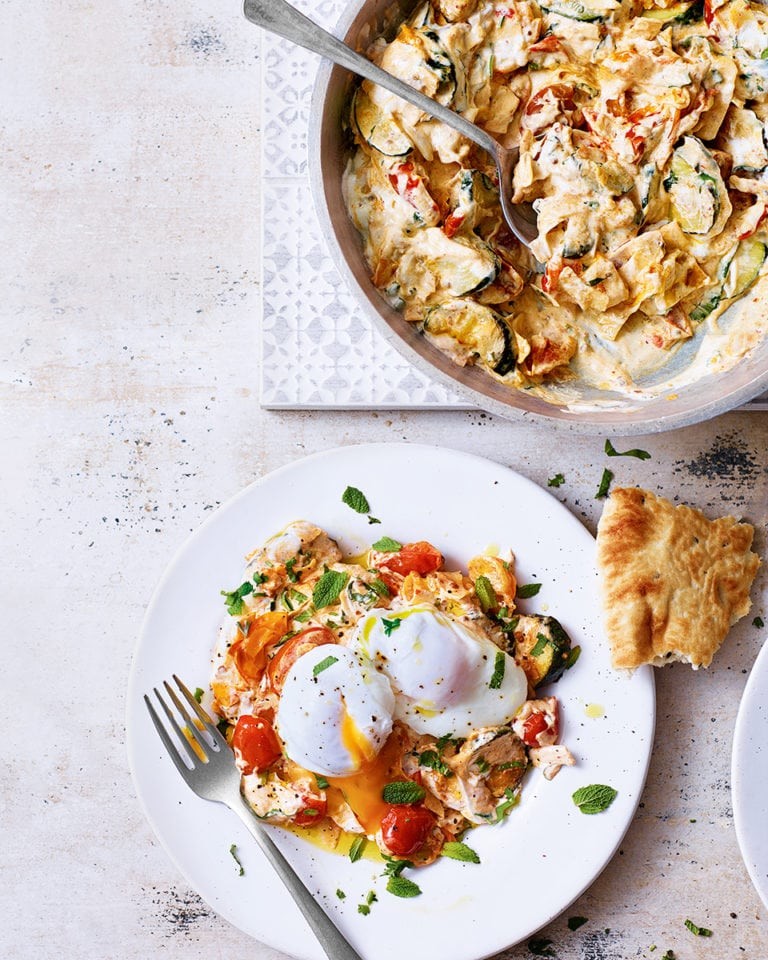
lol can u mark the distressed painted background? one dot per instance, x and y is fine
(130, 145)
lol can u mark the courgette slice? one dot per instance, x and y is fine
(466, 266)
(573, 10)
(479, 332)
(541, 648)
(703, 309)
(744, 268)
(697, 194)
(647, 188)
(377, 129)
(677, 13)
(742, 135)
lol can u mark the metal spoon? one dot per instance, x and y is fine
(281, 18)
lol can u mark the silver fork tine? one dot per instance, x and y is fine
(193, 757)
(203, 715)
(170, 746)
(204, 744)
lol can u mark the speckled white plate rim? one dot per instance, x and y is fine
(201, 853)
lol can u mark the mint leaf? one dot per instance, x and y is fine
(403, 887)
(575, 922)
(233, 854)
(357, 847)
(499, 666)
(321, 782)
(390, 625)
(528, 590)
(379, 587)
(340, 894)
(595, 798)
(233, 599)
(323, 665)
(459, 851)
(540, 646)
(698, 931)
(611, 451)
(403, 791)
(605, 485)
(486, 594)
(387, 545)
(557, 481)
(328, 588)
(356, 499)
(432, 760)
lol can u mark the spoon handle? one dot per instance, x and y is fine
(281, 18)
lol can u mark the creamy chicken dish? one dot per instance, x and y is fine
(642, 135)
(385, 698)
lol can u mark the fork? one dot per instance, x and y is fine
(207, 766)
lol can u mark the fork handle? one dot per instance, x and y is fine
(328, 934)
(281, 18)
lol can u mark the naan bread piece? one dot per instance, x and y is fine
(672, 582)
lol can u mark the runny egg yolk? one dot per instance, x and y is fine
(359, 746)
(363, 790)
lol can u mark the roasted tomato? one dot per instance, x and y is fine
(420, 557)
(250, 651)
(289, 653)
(405, 828)
(255, 744)
(313, 809)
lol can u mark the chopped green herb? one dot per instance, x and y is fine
(357, 847)
(611, 451)
(328, 588)
(486, 594)
(403, 791)
(540, 646)
(605, 485)
(482, 765)
(595, 798)
(233, 599)
(259, 578)
(364, 909)
(432, 759)
(390, 625)
(512, 800)
(698, 931)
(443, 741)
(394, 867)
(557, 481)
(289, 565)
(373, 519)
(575, 922)
(233, 854)
(595, 280)
(387, 545)
(356, 499)
(541, 947)
(758, 622)
(528, 590)
(402, 887)
(459, 851)
(764, 54)
(379, 587)
(199, 694)
(304, 615)
(573, 656)
(499, 665)
(340, 894)
(321, 782)
(323, 665)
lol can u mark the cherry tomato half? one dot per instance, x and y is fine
(313, 809)
(250, 652)
(255, 744)
(404, 828)
(420, 557)
(536, 724)
(289, 653)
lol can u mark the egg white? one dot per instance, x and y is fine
(335, 719)
(446, 677)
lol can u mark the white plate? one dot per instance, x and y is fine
(749, 775)
(535, 863)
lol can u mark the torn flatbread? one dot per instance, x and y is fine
(673, 582)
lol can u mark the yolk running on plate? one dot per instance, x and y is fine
(363, 790)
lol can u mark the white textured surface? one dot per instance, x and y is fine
(129, 409)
